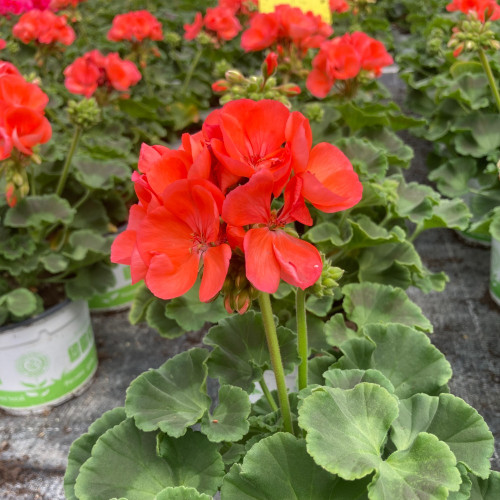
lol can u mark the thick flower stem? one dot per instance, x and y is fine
(274, 351)
(491, 78)
(300, 305)
(65, 171)
(190, 72)
(268, 395)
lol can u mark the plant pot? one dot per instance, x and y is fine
(46, 360)
(119, 296)
(495, 271)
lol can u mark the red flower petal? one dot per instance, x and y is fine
(167, 280)
(262, 268)
(215, 266)
(299, 261)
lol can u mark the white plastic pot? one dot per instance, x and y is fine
(46, 360)
(119, 296)
(495, 270)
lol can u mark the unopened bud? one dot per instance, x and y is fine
(234, 76)
(84, 113)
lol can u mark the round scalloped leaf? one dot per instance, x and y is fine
(465, 487)
(21, 303)
(366, 303)
(408, 359)
(240, 355)
(171, 398)
(348, 379)
(229, 421)
(113, 469)
(453, 421)
(181, 493)
(81, 448)
(192, 461)
(485, 489)
(37, 211)
(279, 467)
(426, 471)
(346, 429)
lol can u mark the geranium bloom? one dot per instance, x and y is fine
(271, 253)
(7, 68)
(219, 21)
(252, 134)
(94, 70)
(191, 31)
(339, 6)
(243, 7)
(175, 238)
(15, 7)
(484, 9)
(286, 25)
(135, 26)
(343, 58)
(56, 5)
(43, 27)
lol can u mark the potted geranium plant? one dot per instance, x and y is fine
(372, 416)
(58, 208)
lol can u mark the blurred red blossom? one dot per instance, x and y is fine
(43, 27)
(135, 26)
(483, 9)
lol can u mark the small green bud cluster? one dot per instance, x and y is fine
(314, 112)
(435, 41)
(473, 35)
(84, 113)
(172, 38)
(220, 68)
(237, 86)
(328, 280)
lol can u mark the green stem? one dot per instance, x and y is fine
(491, 78)
(267, 394)
(416, 233)
(274, 351)
(65, 171)
(300, 303)
(191, 69)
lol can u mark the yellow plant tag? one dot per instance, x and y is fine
(318, 7)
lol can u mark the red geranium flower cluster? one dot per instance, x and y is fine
(94, 70)
(219, 21)
(285, 26)
(135, 26)
(484, 9)
(339, 6)
(43, 26)
(208, 204)
(17, 7)
(343, 58)
(240, 7)
(56, 5)
(22, 121)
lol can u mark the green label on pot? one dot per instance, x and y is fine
(495, 269)
(122, 293)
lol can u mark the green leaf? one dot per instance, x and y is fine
(240, 355)
(414, 200)
(21, 303)
(81, 449)
(452, 177)
(54, 262)
(466, 67)
(320, 306)
(346, 429)
(90, 281)
(192, 461)
(171, 398)
(465, 487)
(407, 358)
(113, 471)
(425, 471)
(453, 421)
(449, 213)
(348, 379)
(16, 246)
(367, 303)
(279, 467)
(472, 90)
(181, 493)
(99, 174)
(317, 366)
(485, 489)
(365, 157)
(368, 233)
(229, 420)
(479, 135)
(336, 331)
(327, 231)
(84, 241)
(166, 327)
(38, 211)
(142, 300)
(191, 314)
(395, 150)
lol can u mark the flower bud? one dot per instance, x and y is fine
(84, 113)
(234, 76)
